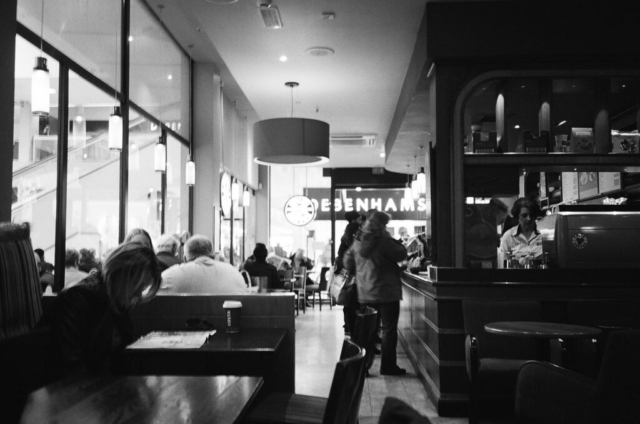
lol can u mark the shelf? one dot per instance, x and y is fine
(556, 162)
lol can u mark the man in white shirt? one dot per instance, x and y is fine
(201, 273)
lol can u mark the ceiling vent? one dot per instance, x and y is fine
(270, 14)
(353, 140)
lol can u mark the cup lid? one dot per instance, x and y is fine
(232, 304)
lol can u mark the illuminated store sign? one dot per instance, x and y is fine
(391, 201)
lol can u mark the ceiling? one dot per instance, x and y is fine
(356, 90)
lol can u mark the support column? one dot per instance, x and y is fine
(8, 10)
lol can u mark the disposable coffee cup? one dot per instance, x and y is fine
(233, 314)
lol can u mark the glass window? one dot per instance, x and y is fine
(159, 82)
(83, 30)
(480, 118)
(144, 206)
(176, 215)
(93, 172)
(238, 232)
(35, 160)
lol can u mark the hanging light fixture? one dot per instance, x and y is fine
(160, 156)
(190, 171)
(245, 199)
(235, 190)
(40, 79)
(422, 181)
(115, 119)
(291, 141)
(415, 186)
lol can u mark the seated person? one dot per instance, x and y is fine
(90, 323)
(202, 273)
(258, 267)
(46, 278)
(88, 262)
(72, 275)
(167, 251)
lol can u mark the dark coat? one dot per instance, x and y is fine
(87, 334)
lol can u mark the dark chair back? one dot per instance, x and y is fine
(618, 378)
(323, 278)
(345, 384)
(25, 367)
(478, 312)
(363, 332)
(20, 290)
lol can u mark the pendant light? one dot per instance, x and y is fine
(160, 152)
(422, 181)
(160, 156)
(115, 119)
(415, 186)
(291, 141)
(235, 190)
(190, 170)
(246, 199)
(40, 79)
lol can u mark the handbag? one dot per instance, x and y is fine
(348, 294)
(336, 282)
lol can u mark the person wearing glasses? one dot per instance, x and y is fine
(523, 242)
(90, 323)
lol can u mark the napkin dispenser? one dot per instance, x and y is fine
(592, 236)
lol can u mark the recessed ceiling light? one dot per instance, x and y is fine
(169, 77)
(283, 58)
(320, 51)
(562, 123)
(382, 154)
(130, 38)
(516, 126)
(358, 188)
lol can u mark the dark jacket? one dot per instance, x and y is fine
(87, 334)
(345, 243)
(167, 260)
(264, 269)
(378, 275)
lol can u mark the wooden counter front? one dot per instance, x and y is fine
(431, 323)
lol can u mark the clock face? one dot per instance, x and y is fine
(225, 194)
(299, 210)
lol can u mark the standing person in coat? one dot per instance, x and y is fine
(374, 257)
(355, 220)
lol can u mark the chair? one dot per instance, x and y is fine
(318, 288)
(299, 288)
(247, 278)
(363, 332)
(20, 291)
(493, 361)
(25, 367)
(292, 408)
(550, 394)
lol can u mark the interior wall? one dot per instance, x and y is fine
(8, 10)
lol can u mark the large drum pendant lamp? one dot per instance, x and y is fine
(291, 141)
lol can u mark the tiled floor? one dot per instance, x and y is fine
(319, 336)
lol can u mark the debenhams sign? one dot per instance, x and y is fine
(391, 201)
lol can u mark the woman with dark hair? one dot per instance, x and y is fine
(374, 258)
(352, 228)
(90, 323)
(524, 240)
(140, 236)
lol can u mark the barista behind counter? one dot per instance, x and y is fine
(523, 240)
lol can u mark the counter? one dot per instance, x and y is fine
(431, 325)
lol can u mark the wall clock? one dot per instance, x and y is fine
(225, 194)
(299, 210)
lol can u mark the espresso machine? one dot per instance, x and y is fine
(592, 236)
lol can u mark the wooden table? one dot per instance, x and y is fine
(543, 331)
(143, 399)
(253, 351)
